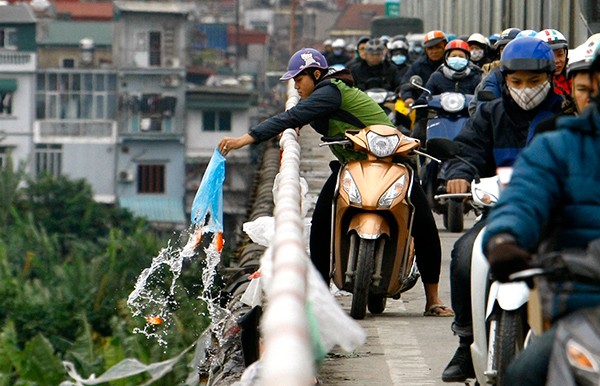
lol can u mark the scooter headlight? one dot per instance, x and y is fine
(378, 96)
(382, 145)
(452, 102)
(350, 187)
(385, 201)
(581, 358)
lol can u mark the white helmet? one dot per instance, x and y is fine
(582, 56)
(554, 38)
(479, 39)
(338, 43)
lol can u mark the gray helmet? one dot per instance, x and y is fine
(374, 46)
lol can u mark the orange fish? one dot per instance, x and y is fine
(198, 237)
(219, 241)
(154, 319)
(255, 275)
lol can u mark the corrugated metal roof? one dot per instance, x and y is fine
(153, 7)
(16, 14)
(69, 33)
(156, 209)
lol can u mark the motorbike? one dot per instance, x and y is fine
(448, 112)
(575, 358)
(372, 247)
(499, 310)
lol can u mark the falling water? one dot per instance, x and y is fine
(154, 295)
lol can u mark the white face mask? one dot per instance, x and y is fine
(530, 98)
(476, 54)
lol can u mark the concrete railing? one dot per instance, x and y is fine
(288, 358)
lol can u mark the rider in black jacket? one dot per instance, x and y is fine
(375, 71)
(331, 105)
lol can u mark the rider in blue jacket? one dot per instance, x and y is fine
(494, 137)
(555, 180)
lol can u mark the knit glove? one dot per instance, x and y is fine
(506, 257)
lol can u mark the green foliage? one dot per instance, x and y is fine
(67, 266)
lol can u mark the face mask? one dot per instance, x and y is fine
(338, 51)
(529, 98)
(457, 63)
(476, 55)
(399, 59)
(418, 50)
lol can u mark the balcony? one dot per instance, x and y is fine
(151, 127)
(75, 131)
(13, 61)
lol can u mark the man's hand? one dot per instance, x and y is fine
(506, 257)
(229, 143)
(409, 102)
(457, 186)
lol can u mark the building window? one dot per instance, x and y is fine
(216, 120)
(151, 179)
(6, 103)
(48, 159)
(155, 49)
(74, 95)
(8, 38)
(68, 63)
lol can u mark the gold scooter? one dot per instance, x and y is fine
(372, 248)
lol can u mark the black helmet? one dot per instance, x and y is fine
(507, 35)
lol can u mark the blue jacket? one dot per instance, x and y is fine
(488, 89)
(558, 174)
(497, 133)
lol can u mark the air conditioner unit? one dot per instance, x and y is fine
(125, 176)
(170, 81)
(145, 124)
(172, 62)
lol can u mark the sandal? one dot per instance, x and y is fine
(439, 310)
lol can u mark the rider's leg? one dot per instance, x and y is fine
(461, 367)
(428, 248)
(320, 229)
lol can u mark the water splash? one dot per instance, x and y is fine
(155, 292)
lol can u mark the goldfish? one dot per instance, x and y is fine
(219, 241)
(154, 319)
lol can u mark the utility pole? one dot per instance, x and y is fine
(237, 37)
(292, 47)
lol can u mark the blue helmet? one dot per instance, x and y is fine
(526, 32)
(528, 54)
(303, 59)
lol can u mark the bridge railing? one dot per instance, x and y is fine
(288, 358)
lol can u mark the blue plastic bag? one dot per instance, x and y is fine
(207, 208)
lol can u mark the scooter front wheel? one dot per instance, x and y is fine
(510, 339)
(362, 277)
(454, 217)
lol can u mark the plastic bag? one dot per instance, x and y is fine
(207, 208)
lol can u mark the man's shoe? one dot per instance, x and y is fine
(460, 367)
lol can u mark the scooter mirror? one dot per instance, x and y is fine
(416, 80)
(442, 148)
